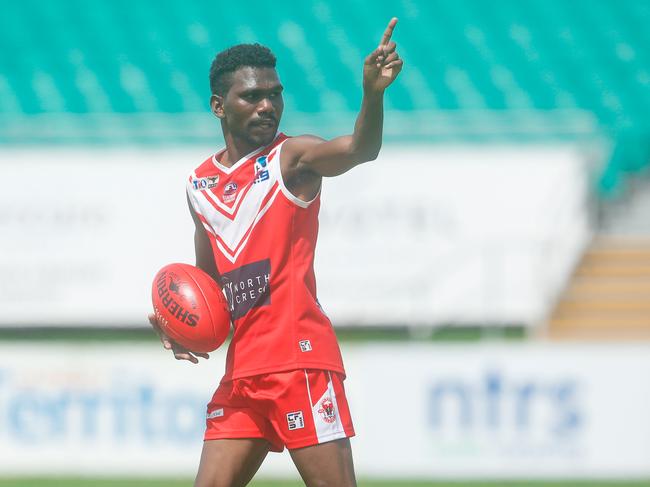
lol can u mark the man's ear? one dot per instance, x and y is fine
(216, 106)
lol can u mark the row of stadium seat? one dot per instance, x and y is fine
(152, 56)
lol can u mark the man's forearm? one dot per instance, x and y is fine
(368, 129)
(336, 156)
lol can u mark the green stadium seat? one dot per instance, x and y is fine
(475, 61)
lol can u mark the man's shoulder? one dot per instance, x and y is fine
(304, 139)
(296, 145)
(204, 169)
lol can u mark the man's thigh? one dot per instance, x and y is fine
(230, 462)
(326, 465)
(303, 407)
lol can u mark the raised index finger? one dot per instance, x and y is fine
(388, 32)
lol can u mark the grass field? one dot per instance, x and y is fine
(124, 482)
(144, 334)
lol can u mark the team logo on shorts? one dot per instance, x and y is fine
(295, 420)
(209, 182)
(327, 411)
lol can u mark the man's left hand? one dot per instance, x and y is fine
(383, 65)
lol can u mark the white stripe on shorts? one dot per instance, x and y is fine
(325, 413)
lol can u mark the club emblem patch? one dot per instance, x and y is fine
(229, 192)
(327, 411)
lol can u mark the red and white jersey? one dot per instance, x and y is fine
(263, 238)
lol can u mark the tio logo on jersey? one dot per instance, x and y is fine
(202, 184)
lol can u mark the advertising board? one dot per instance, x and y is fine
(420, 411)
(424, 235)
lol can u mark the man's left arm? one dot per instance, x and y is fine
(336, 156)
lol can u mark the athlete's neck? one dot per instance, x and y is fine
(235, 149)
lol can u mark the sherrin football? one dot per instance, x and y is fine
(190, 307)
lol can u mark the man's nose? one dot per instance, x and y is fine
(265, 105)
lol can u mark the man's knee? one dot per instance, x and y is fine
(213, 478)
(230, 463)
(326, 465)
(332, 482)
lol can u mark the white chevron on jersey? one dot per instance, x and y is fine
(231, 226)
(228, 209)
(228, 253)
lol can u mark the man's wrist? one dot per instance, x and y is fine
(373, 93)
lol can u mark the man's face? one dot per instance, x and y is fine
(252, 107)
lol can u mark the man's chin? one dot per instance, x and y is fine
(262, 139)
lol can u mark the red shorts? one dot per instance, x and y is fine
(297, 408)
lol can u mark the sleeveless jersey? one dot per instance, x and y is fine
(263, 239)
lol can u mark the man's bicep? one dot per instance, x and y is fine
(323, 157)
(202, 247)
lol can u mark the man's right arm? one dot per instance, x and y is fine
(204, 261)
(202, 247)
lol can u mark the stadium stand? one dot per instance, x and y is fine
(122, 71)
(607, 297)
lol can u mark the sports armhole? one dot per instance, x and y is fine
(288, 194)
(196, 207)
(188, 192)
(194, 203)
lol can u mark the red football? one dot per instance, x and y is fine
(190, 307)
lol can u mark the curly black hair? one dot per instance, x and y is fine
(235, 57)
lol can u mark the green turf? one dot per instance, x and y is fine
(345, 334)
(92, 482)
